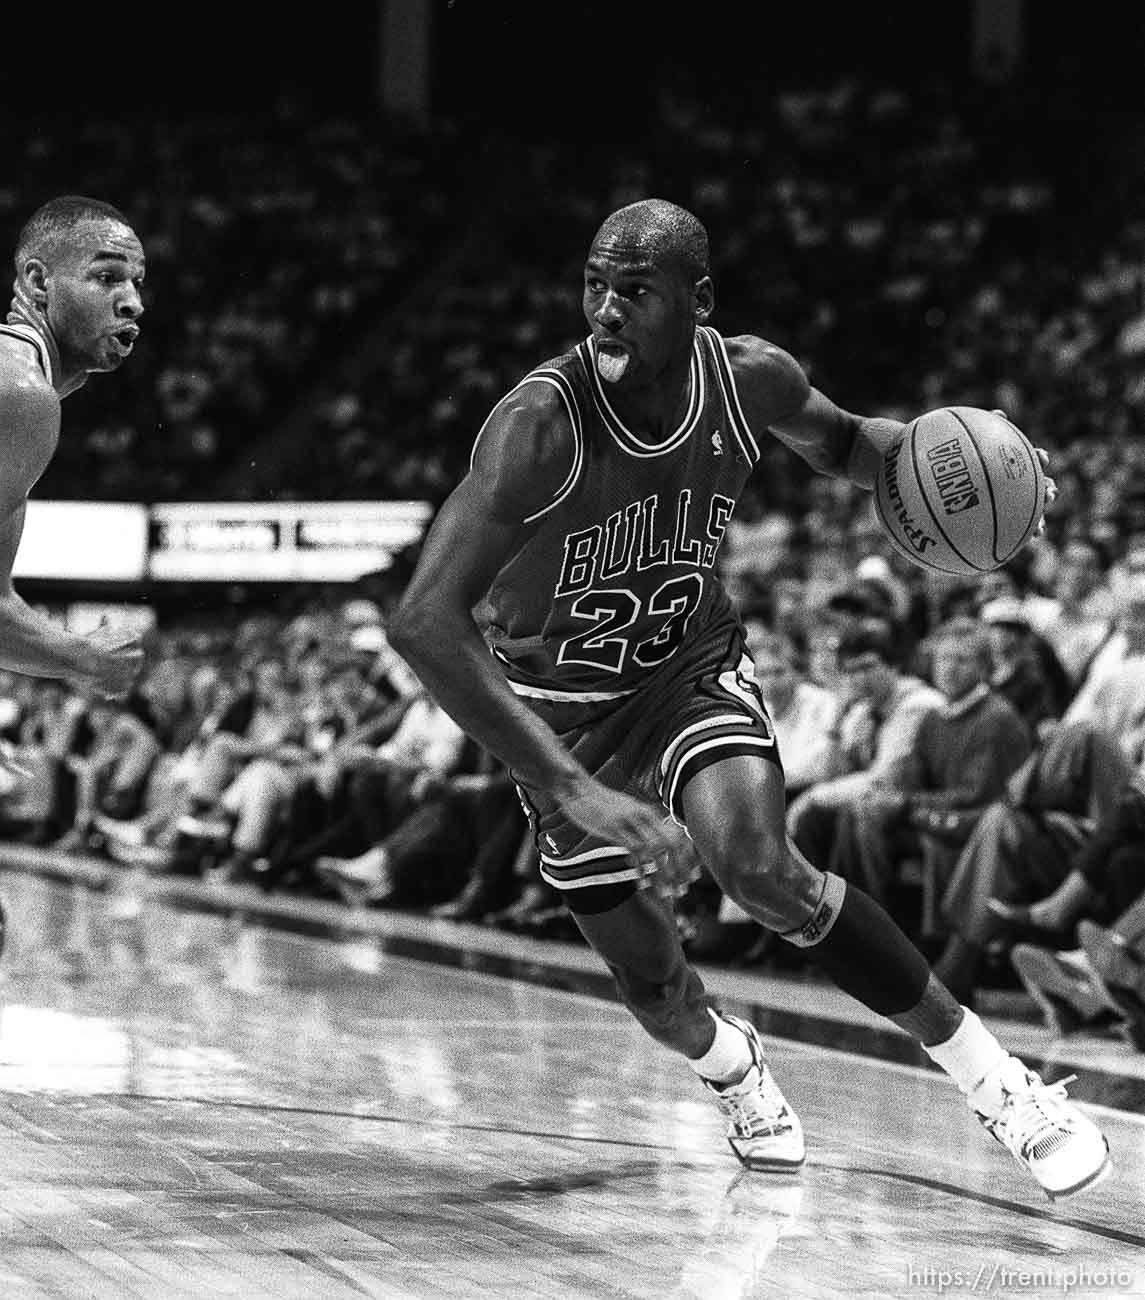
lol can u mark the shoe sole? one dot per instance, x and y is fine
(768, 1166)
(1099, 1176)
(757, 1164)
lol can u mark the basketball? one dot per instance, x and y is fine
(962, 492)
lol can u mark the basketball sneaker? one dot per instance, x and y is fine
(763, 1130)
(1043, 1130)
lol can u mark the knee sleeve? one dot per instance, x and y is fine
(863, 950)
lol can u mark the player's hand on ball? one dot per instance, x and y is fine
(1051, 487)
(115, 656)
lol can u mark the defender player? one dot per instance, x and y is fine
(75, 311)
(619, 688)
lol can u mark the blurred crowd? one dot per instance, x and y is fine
(271, 239)
(352, 280)
(911, 249)
(972, 753)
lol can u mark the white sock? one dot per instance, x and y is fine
(969, 1054)
(729, 1057)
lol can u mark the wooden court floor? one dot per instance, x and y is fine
(192, 1105)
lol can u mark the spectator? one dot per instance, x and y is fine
(872, 747)
(112, 776)
(1079, 618)
(1022, 846)
(1024, 667)
(1113, 693)
(1116, 955)
(803, 713)
(963, 754)
(236, 789)
(388, 782)
(361, 714)
(466, 829)
(54, 734)
(1096, 916)
(332, 701)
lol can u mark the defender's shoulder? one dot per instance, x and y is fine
(29, 414)
(22, 378)
(27, 401)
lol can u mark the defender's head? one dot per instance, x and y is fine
(647, 285)
(79, 270)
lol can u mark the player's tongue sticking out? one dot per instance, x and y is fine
(611, 365)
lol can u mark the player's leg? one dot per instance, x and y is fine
(634, 931)
(734, 810)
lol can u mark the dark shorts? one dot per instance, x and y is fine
(702, 707)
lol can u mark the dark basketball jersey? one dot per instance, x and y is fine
(617, 572)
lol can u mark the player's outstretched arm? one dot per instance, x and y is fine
(776, 395)
(31, 643)
(521, 459)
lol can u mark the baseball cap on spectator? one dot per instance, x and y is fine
(869, 639)
(865, 596)
(368, 638)
(358, 613)
(875, 568)
(1005, 611)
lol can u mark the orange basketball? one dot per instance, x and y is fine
(962, 492)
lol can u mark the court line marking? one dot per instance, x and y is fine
(462, 972)
(784, 1044)
(984, 1198)
(951, 1189)
(901, 1067)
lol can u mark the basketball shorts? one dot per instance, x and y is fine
(703, 706)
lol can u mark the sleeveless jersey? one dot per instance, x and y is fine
(28, 335)
(616, 573)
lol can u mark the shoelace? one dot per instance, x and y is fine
(1030, 1117)
(752, 1112)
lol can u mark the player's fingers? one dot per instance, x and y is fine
(1050, 498)
(649, 878)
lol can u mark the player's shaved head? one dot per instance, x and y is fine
(669, 235)
(47, 232)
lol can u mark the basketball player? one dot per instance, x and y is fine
(619, 687)
(75, 311)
